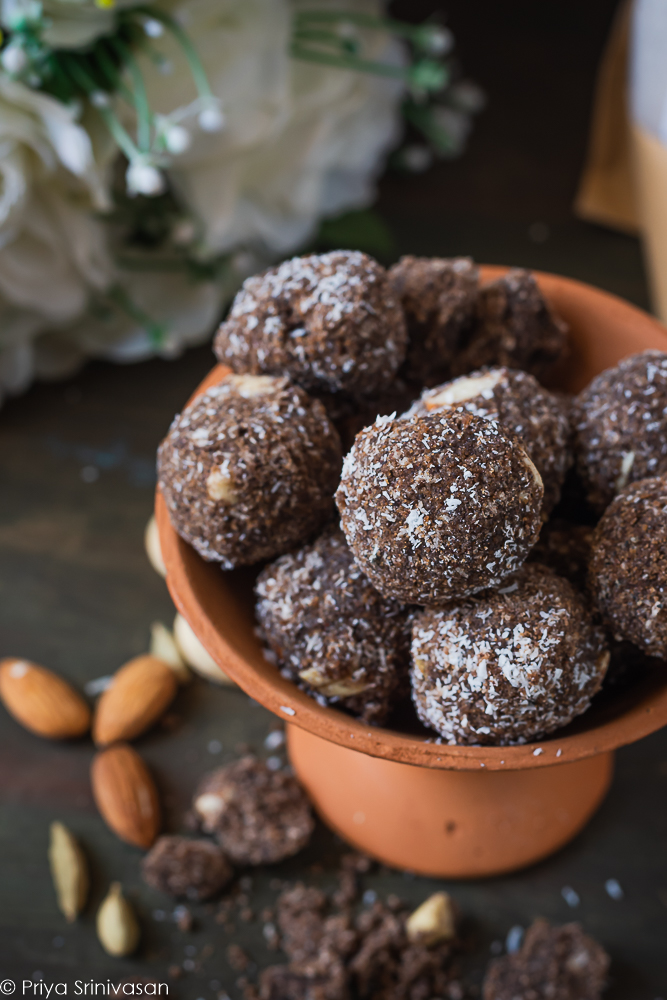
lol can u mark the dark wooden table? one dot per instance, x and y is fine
(77, 593)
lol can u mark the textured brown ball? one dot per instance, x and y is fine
(331, 630)
(438, 507)
(331, 322)
(248, 469)
(196, 869)
(365, 410)
(515, 327)
(628, 565)
(559, 963)
(620, 423)
(566, 549)
(522, 407)
(507, 666)
(439, 297)
(259, 816)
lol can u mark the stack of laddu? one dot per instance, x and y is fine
(446, 569)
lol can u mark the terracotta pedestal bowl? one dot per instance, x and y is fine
(439, 810)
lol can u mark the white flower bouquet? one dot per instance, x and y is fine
(152, 155)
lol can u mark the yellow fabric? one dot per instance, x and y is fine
(624, 181)
(606, 191)
(650, 172)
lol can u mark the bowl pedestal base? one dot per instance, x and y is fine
(451, 824)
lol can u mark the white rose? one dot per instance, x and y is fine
(52, 250)
(68, 23)
(180, 312)
(299, 140)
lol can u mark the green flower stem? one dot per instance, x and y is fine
(144, 114)
(361, 20)
(89, 87)
(424, 74)
(122, 138)
(326, 38)
(349, 16)
(156, 331)
(114, 79)
(421, 116)
(60, 84)
(349, 62)
(171, 266)
(189, 51)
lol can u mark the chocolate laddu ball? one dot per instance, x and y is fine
(330, 629)
(438, 507)
(620, 423)
(522, 407)
(331, 322)
(196, 869)
(258, 816)
(507, 666)
(365, 410)
(628, 565)
(248, 469)
(553, 963)
(566, 549)
(439, 297)
(515, 327)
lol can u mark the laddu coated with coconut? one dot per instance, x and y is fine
(566, 549)
(180, 866)
(515, 327)
(330, 629)
(248, 469)
(507, 666)
(258, 816)
(620, 423)
(439, 297)
(331, 322)
(522, 407)
(438, 507)
(553, 963)
(628, 565)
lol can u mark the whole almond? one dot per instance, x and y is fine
(41, 701)
(69, 870)
(139, 694)
(152, 546)
(163, 646)
(196, 655)
(432, 922)
(117, 926)
(125, 795)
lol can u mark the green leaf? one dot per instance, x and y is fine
(429, 75)
(364, 230)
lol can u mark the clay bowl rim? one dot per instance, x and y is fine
(202, 594)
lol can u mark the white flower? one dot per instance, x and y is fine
(153, 28)
(177, 139)
(439, 40)
(183, 311)
(298, 140)
(14, 59)
(211, 118)
(46, 131)
(278, 145)
(295, 142)
(52, 249)
(144, 178)
(68, 24)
